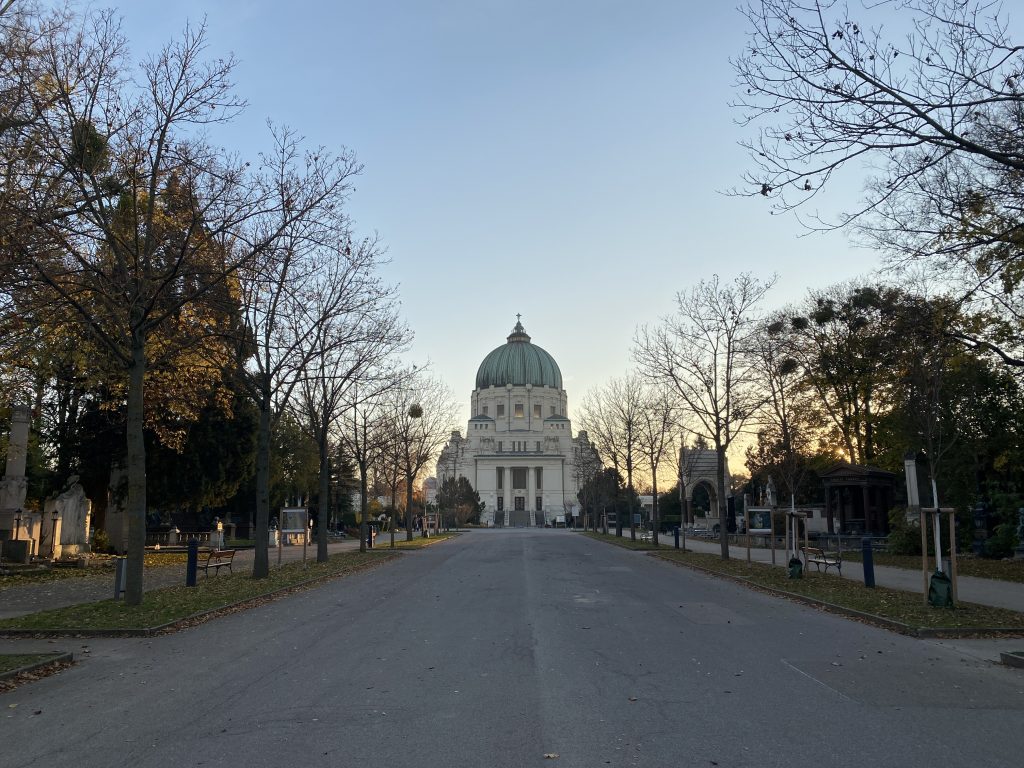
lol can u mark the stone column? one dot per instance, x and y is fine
(14, 486)
(529, 496)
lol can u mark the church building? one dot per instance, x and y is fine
(518, 452)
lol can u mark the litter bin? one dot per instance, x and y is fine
(796, 568)
(940, 591)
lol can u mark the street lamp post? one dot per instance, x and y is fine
(415, 412)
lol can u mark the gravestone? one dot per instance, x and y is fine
(73, 512)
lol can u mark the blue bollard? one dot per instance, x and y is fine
(869, 561)
(119, 576)
(675, 532)
(192, 566)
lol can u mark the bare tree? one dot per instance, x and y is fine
(368, 436)
(657, 425)
(586, 465)
(703, 354)
(612, 415)
(926, 97)
(287, 305)
(360, 331)
(422, 414)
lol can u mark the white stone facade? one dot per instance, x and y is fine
(518, 452)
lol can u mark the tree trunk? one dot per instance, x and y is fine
(723, 506)
(261, 536)
(364, 507)
(408, 506)
(654, 504)
(324, 500)
(136, 445)
(629, 486)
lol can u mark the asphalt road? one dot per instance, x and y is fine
(501, 647)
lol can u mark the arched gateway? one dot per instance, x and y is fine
(699, 469)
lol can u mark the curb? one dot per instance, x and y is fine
(177, 624)
(53, 659)
(871, 618)
(1013, 659)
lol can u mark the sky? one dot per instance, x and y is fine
(562, 159)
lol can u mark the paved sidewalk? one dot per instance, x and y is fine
(1000, 594)
(74, 590)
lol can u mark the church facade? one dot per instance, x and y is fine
(518, 452)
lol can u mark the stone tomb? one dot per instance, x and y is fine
(71, 511)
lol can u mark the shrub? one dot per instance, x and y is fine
(1002, 542)
(904, 535)
(779, 517)
(668, 522)
(99, 541)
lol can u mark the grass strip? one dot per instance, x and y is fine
(623, 541)
(889, 604)
(1001, 570)
(163, 606)
(18, 669)
(12, 662)
(97, 564)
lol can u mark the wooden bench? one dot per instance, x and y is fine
(216, 559)
(820, 557)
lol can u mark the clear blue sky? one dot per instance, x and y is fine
(559, 158)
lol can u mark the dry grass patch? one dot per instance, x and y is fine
(98, 564)
(1002, 570)
(163, 606)
(625, 541)
(894, 605)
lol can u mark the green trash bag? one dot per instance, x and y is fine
(796, 568)
(940, 591)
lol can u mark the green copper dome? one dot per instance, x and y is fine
(518, 363)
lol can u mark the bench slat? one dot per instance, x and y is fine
(819, 557)
(215, 558)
